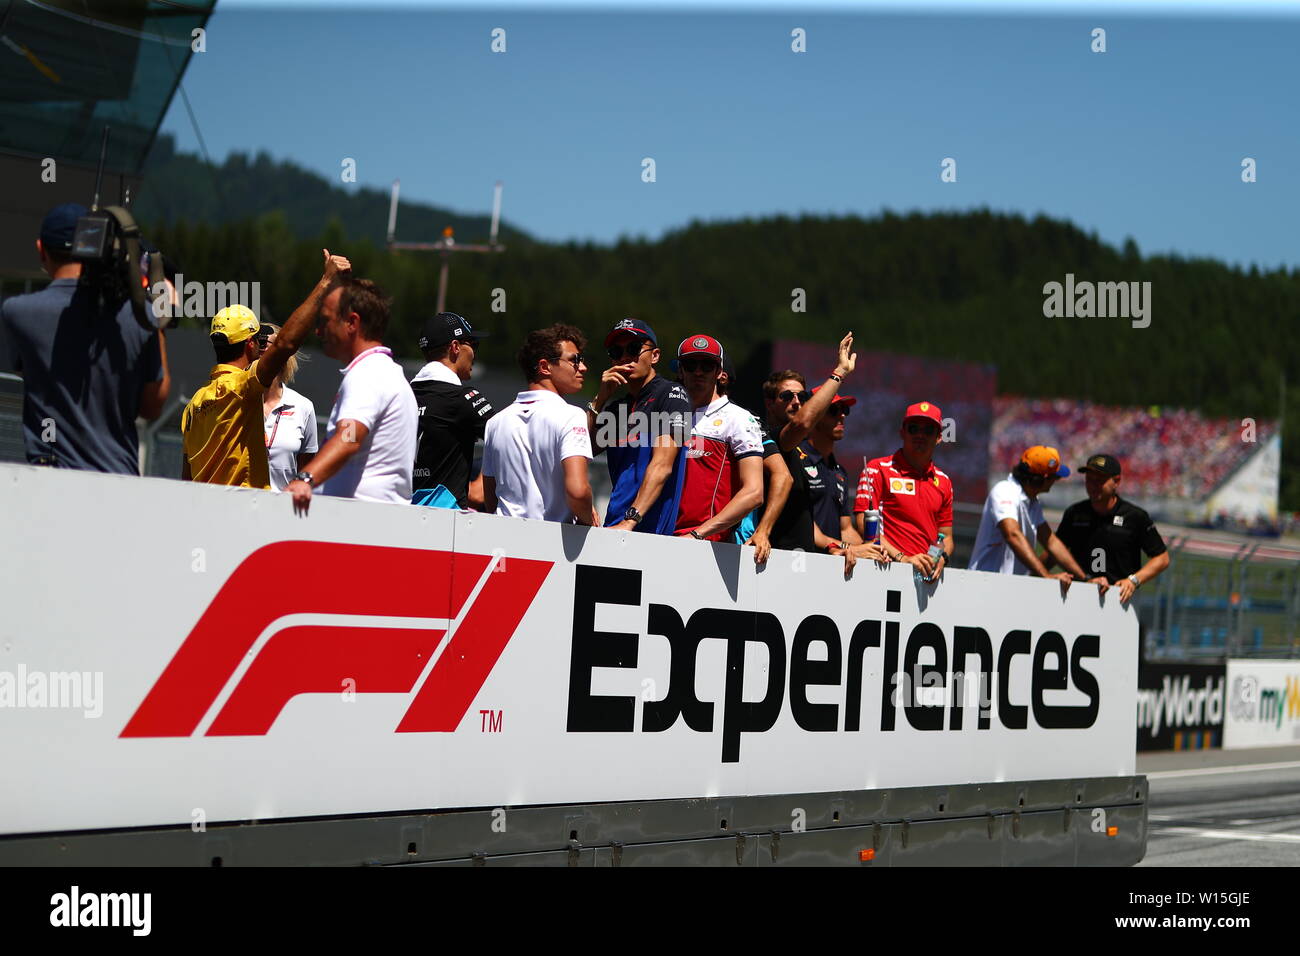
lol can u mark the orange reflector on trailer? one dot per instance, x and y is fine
(866, 856)
(1112, 831)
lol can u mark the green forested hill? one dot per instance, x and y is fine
(960, 285)
(180, 186)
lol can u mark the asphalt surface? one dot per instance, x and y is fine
(1223, 807)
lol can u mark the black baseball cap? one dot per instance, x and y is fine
(445, 328)
(635, 327)
(1107, 465)
(60, 225)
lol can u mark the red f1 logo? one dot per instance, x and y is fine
(247, 638)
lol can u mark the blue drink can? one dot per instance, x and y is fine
(873, 525)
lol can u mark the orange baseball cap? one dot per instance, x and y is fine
(1044, 460)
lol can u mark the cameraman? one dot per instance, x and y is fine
(88, 372)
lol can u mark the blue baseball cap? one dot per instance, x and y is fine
(632, 327)
(60, 225)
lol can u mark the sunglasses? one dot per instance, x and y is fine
(632, 349)
(698, 365)
(803, 396)
(839, 410)
(262, 340)
(915, 429)
(577, 359)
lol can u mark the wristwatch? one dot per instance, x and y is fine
(591, 407)
(305, 476)
(633, 515)
(1134, 579)
(696, 535)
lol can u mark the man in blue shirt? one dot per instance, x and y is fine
(829, 491)
(88, 371)
(641, 433)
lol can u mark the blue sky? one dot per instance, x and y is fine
(1145, 139)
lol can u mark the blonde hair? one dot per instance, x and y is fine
(291, 366)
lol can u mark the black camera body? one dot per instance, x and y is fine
(107, 244)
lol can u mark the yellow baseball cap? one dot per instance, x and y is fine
(236, 323)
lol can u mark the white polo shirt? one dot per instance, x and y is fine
(524, 447)
(290, 431)
(1006, 500)
(374, 392)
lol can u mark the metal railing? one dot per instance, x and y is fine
(1212, 605)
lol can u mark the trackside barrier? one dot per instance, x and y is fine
(1180, 705)
(1263, 704)
(192, 657)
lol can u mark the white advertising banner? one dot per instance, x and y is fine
(172, 652)
(1263, 704)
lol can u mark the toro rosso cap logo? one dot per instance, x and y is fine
(238, 668)
(631, 326)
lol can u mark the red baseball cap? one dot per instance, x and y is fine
(700, 345)
(927, 410)
(838, 399)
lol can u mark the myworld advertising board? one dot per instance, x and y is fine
(250, 664)
(1263, 704)
(1180, 705)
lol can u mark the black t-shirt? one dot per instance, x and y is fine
(452, 417)
(1122, 535)
(793, 528)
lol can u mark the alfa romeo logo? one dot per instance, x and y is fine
(700, 344)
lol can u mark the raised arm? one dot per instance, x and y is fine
(798, 428)
(294, 332)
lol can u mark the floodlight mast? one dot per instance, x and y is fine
(447, 244)
(496, 212)
(392, 212)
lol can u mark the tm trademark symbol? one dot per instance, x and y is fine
(490, 721)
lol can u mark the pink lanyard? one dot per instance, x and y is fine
(276, 427)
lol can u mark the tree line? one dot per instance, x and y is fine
(950, 285)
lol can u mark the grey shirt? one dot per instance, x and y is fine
(83, 370)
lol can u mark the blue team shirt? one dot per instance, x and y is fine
(828, 488)
(662, 407)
